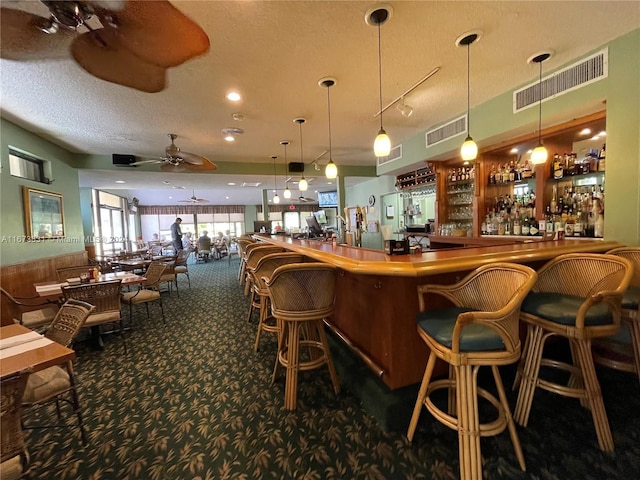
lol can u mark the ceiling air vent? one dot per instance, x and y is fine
(584, 72)
(446, 131)
(394, 154)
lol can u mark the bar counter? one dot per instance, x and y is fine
(377, 303)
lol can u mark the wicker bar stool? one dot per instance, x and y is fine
(302, 297)
(482, 329)
(253, 257)
(260, 295)
(578, 297)
(243, 244)
(622, 351)
(14, 456)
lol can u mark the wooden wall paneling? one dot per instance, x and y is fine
(18, 279)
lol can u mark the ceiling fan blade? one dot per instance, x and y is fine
(207, 166)
(21, 38)
(160, 34)
(102, 54)
(192, 158)
(145, 162)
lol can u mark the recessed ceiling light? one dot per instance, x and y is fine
(513, 150)
(234, 96)
(120, 181)
(230, 138)
(595, 137)
(530, 151)
(227, 198)
(602, 133)
(178, 187)
(170, 197)
(585, 131)
(329, 183)
(231, 184)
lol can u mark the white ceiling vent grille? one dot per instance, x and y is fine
(451, 129)
(394, 154)
(584, 72)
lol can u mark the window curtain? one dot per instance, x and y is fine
(175, 210)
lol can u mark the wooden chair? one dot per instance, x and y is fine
(148, 292)
(14, 456)
(302, 297)
(481, 329)
(57, 383)
(203, 253)
(253, 257)
(72, 272)
(622, 351)
(32, 312)
(232, 249)
(105, 296)
(578, 297)
(260, 295)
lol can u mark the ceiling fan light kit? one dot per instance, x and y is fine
(175, 160)
(469, 149)
(376, 17)
(539, 154)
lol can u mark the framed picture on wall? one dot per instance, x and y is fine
(43, 214)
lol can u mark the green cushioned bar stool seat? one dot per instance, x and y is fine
(563, 309)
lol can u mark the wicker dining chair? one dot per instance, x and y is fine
(32, 312)
(302, 297)
(57, 383)
(105, 296)
(14, 456)
(181, 265)
(622, 351)
(481, 329)
(260, 295)
(147, 292)
(170, 277)
(577, 296)
(72, 272)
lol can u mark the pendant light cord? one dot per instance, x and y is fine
(540, 106)
(380, 72)
(301, 156)
(275, 177)
(468, 88)
(285, 167)
(329, 110)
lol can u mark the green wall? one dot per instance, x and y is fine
(13, 249)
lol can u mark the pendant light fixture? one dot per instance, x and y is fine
(287, 192)
(331, 170)
(376, 17)
(276, 198)
(469, 149)
(539, 154)
(302, 184)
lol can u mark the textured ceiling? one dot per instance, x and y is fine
(274, 53)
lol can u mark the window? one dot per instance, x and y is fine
(110, 223)
(25, 166)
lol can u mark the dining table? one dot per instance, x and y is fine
(22, 348)
(54, 289)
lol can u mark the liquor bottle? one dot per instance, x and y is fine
(578, 228)
(512, 172)
(542, 224)
(569, 228)
(492, 175)
(548, 220)
(533, 226)
(558, 170)
(598, 227)
(517, 229)
(524, 225)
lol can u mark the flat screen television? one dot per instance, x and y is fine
(314, 227)
(328, 199)
(258, 224)
(321, 216)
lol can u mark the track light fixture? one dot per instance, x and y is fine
(331, 170)
(469, 149)
(276, 198)
(405, 110)
(539, 154)
(287, 192)
(376, 17)
(302, 184)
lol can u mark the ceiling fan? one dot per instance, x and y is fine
(304, 199)
(127, 42)
(194, 199)
(175, 160)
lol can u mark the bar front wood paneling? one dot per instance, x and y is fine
(376, 299)
(18, 279)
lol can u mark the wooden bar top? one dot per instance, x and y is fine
(432, 262)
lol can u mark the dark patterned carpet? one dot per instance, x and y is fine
(192, 400)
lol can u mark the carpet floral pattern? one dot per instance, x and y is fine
(193, 400)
